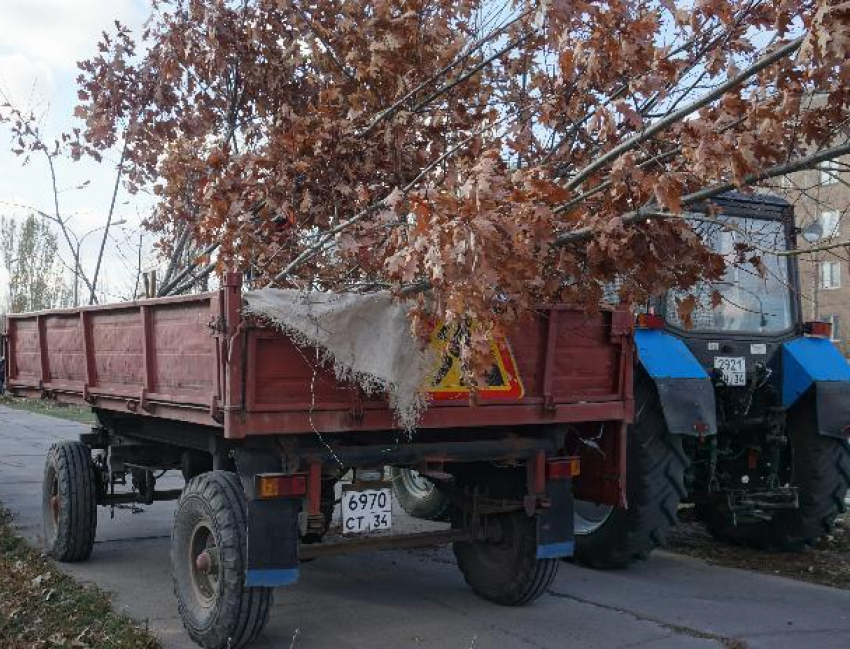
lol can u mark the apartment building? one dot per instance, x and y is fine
(823, 196)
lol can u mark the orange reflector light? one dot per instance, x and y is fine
(276, 485)
(649, 321)
(818, 329)
(563, 468)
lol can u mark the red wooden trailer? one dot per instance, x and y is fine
(262, 435)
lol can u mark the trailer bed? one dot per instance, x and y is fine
(198, 359)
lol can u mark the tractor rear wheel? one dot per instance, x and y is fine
(613, 537)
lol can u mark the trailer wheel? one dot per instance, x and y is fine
(505, 568)
(208, 555)
(821, 470)
(69, 502)
(418, 496)
(612, 537)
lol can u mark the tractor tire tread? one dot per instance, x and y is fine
(655, 487)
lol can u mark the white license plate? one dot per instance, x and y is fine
(733, 369)
(366, 511)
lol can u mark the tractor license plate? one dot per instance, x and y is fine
(368, 510)
(733, 369)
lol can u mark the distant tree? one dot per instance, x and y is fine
(28, 252)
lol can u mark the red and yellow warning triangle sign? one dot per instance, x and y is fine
(502, 380)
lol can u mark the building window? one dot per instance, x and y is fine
(829, 172)
(830, 274)
(829, 223)
(835, 321)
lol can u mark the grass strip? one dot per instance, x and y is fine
(43, 608)
(82, 414)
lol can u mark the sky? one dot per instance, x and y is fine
(40, 44)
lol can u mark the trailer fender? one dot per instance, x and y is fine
(816, 363)
(684, 387)
(273, 530)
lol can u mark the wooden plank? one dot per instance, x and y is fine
(88, 349)
(42, 350)
(148, 346)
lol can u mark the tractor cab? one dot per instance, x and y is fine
(752, 389)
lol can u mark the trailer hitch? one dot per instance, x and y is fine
(760, 505)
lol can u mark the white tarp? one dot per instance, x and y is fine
(366, 337)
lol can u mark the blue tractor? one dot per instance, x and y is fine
(743, 410)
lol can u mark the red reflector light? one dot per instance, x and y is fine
(276, 485)
(563, 468)
(818, 329)
(649, 321)
(752, 460)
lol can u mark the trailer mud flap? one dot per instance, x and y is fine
(555, 524)
(272, 542)
(684, 387)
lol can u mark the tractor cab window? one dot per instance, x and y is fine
(751, 299)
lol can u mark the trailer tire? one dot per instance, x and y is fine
(69, 502)
(208, 563)
(506, 570)
(655, 486)
(821, 470)
(429, 504)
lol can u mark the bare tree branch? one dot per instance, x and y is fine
(653, 212)
(325, 43)
(186, 272)
(175, 254)
(391, 110)
(195, 277)
(682, 113)
(472, 72)
(118, 172)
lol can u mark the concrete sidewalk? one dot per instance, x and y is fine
(419, 599)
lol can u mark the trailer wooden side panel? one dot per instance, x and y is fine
(196, 359)
(154, 357)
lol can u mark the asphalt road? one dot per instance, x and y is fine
(418, 599)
